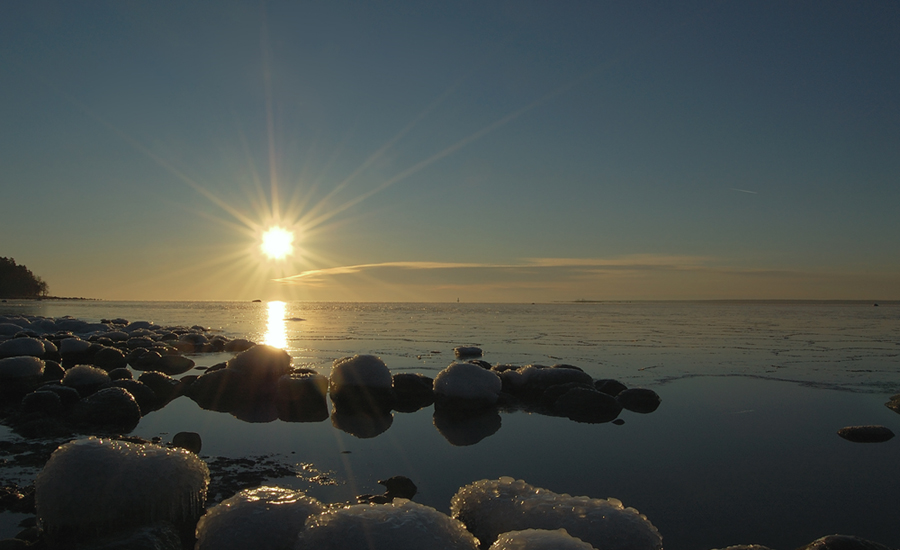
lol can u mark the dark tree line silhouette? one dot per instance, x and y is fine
(17, 281)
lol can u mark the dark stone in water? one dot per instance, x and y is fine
(413, 391)
(108, 359)
(146, 398)
(42, 402)
(843, 542)
(610, 386)
(120, 374)
(639, 400)
(164, 386)
(110, 409)
(300, 397)
(188, 440)
(587, 405)
(866, 434)
(893, 404)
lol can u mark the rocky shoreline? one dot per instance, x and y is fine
(66, 378)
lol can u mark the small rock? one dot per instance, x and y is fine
(188, 440)
(866, 434)
(639, 400)
(468, 351)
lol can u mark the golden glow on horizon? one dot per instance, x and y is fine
(277, 243)
(276, 330)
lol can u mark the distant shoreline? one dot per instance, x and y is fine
(48, 298)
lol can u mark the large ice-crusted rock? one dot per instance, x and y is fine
(539, 539)
(532, 380)
(264, 518)
(20, 375)
(401, 525)
(361, 382)
(22, 346)
(93, 487)
(86, 379)
(264, 364)
(467, 385)
(491, 507)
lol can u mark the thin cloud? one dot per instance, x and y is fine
(642, 261)
(744, 191)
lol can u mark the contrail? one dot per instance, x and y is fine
(744, 191)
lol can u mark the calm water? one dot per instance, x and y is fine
(743, 449)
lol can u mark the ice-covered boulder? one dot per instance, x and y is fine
(264, 518)
(86, 379)
(92, 487)
(20, 375)
(9, 329)
(265, 364)
(73, 345)
(539, 539)
(533, 380)
(489, 508)
(22, 346)
(467, 385)
(361, 382)
(401, 525)
(110, 410)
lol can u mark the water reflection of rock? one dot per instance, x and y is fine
(364, 424)
(463, 428)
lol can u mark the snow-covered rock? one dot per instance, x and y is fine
(265, 364)
(22, 346)
(401, 525)
(361, 382)
(489, 508)
(264, 518)
(20, 375)
(92, 487)
(467, 385)
(86, 379)
(539, 539)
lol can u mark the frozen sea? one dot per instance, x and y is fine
(743, 449)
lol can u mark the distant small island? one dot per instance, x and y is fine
(17, 281)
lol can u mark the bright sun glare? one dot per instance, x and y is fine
(277, 243)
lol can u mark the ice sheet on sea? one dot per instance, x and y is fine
(401, 525)
(539, 539)
(264, 518)
(93, 485)
(491, 507)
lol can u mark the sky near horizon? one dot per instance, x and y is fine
(508, 151)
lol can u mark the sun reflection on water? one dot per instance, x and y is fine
(276, 330)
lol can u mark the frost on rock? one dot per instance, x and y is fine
(20, 375)
(361, 382)
(360, 370)
(22, 346)
(491, 507)
(264, 518)
(469, 383)
(539, 539)
(264, 363)
(402, 525)
(92, 487)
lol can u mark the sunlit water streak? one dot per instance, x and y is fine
(276, 328)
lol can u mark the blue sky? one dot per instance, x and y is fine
(487, 151)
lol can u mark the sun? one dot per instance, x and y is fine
(277, 243)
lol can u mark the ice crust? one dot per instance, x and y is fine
(539, 539)
(85, 375)
(94, 486)
(22, 346)
(21, 367)
(360, 370)
(265, 362)
(470, 382)
(401, 525)
(489, 508)
(264, 518)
